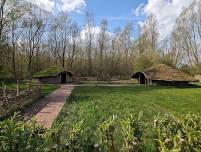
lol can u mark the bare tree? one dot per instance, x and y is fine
(149, 33)
(33, 29)
(74, 39)
(14, 39)
(53, 40)
(89, 36)
(147, 45)
(102, 39)
(64, 23)
(10, 11)
(126, 45)
(189, 30)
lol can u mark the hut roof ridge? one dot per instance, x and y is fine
(166, 73)
(52, 71)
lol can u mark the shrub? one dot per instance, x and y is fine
(173, 132)
(20, 136)
(132, 131)
(178, 132)
(106, 134)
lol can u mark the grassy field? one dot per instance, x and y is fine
(46, 88)
(93, 105)
(123, 82)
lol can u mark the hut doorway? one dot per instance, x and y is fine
(142, 78)
(63, 77)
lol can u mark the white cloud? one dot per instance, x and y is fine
(117, 18)
(166, 12)
(139, 10)
(95, 31)
(47, 5)
(60, 5)
(72, 5)
(140, 23)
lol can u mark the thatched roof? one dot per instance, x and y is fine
(162, 72)
(52, 71)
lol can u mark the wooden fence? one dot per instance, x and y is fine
(5, 91)
(16, 99)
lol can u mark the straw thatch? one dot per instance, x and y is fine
(163, 72)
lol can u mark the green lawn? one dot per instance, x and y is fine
(95, 104)
(46, 88)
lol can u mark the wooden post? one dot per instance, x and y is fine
(28, 88)
(140, 79)
(4, 91)
(40, 88)
(18, 88)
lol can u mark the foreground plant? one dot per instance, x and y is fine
(131, 129)
(178, 133)
(72, 141)
(174, 133)
(21, 136)
(106, 133)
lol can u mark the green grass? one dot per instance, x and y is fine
(95, 104)
(46, 88)
(123, 82)
(52, 71)
(13, 85)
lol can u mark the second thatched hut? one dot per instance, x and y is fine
(163, 74)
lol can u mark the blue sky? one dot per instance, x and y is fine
(119, 12)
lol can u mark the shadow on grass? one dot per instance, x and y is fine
(188, 86)
(91, 90)
(85, 94)
(90, 93)
(77, 98)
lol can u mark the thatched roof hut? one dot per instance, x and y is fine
(198, 77)
(54, 75)
(163, 74)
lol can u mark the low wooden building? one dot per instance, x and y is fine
(54, 75)
(198, 77)
(164, 75)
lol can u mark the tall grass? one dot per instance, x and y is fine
(178, 133)
(173, 133)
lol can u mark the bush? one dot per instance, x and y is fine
(173, 132)
(20, 136)
(81, 139)
(178, 133)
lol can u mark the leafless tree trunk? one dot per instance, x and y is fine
(34, 28)
(89, 33)
(102, 42)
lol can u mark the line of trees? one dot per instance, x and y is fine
(32, 39)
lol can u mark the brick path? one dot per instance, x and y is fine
(47, 109)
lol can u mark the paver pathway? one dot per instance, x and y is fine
(47, 109)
